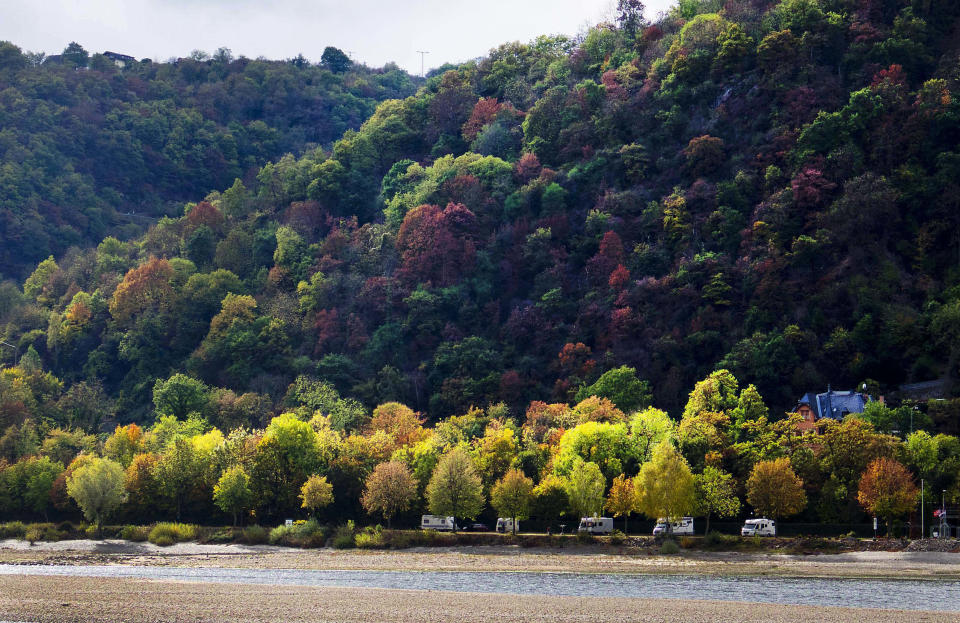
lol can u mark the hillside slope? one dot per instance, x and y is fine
(89, 148)
(768, 187)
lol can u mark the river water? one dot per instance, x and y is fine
(864, 593)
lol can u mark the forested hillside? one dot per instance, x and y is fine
(84, 142)
(768, 187)
(765, 187)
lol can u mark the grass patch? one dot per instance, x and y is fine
(371, 538)
(254, 535)
(815, 545)
(166, 533)
(343, 536)
(42, 532)
(669, 548)
(13, 530)
(138, 534)
(219, 536)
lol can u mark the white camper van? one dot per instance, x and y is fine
(505, 525)
(436, 522)
(596, 525)
(682, 526)
(759, 527)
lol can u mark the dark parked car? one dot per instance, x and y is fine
(478, 527)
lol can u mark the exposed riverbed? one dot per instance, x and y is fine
(919, 595)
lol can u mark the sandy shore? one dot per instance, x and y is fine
(61, 600)
(920, 565)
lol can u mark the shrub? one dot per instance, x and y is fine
(584, 537)
(714, 540)
(65, 527)
(135, 533)
(370, 538)
(165, 534)
(343, 537)
(254, 535)
(281, 535)
(669, 548)
(300, 534)
(13, 530)
(687, 542)
(222, 535)
(41, 532)
(617, 537)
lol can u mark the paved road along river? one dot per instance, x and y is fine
(922, 595)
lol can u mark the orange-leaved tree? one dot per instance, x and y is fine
(887, 489)
(774, 490)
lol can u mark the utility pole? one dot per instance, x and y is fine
(423, 55)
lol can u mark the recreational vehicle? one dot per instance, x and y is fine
(596, 525)
(682, 526)
(437, 522)
(759, 527)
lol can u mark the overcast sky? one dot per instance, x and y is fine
(372, 32)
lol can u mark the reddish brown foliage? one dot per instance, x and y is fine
(436, 245)
(619, 278)
(143, 287)
(528, 167)
(484, 112)
(204, 213)
(810, 188)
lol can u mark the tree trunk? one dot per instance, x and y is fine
(707, 527)
(234, 519)
(625, 524)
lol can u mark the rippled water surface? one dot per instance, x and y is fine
(897, 594)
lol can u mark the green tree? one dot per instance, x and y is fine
(455, 488)
(716, 494)
(649, 428)
(717, 393)
(550, 500)
(179, 396)
(97, 488)
(664, 486)
(585, 487)
(75, 54)
(232, 492)
(335, 60)
(622, 387)
(179, 471)
(390, 489)
(511, 496)
(607, 445)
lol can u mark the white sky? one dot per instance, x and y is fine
(372, 32)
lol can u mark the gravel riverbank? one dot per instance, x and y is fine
(67, 600)
(879, 564)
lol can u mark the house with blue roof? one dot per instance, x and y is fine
(833, 405)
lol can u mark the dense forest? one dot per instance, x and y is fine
(91, 148)
(767, 188)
